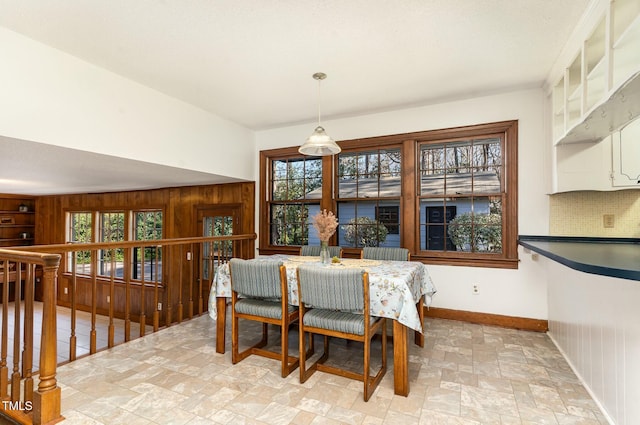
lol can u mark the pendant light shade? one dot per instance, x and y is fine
(319, 143)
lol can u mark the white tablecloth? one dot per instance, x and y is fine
(395, 286)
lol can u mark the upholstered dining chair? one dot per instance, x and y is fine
(396, 254)
(260, 293)
(335, 303)
(314, 250)
(381, 253)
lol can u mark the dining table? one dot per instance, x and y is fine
(397, 290)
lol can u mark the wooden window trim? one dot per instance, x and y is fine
(95, 230)
(367, 146)
(266, 157)
(408, 143)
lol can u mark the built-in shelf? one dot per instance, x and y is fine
(17, 220)
(621, 107)
(599, 91)
(595, 97)
(17, 239)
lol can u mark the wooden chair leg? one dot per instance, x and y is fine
(234, 340)
(236, 354)
(284, 349)
(365, 375)
(304, 372)
(302, 356)
(289, 363)
(265, 334)
(371, 382)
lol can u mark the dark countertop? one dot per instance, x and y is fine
(614, 257)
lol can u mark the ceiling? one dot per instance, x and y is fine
(30, 168)
(251, 61)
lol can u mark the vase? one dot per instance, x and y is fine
(325, 258)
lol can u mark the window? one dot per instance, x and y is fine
(295, 189)
(147, 261)
(111, 229)
(216, 223)
(390, 218)
(449, 196)
(461, 195)
(80, 230)
(116, 226)
(369, 182)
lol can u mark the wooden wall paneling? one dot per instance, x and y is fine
(177, 205)
(83, 297)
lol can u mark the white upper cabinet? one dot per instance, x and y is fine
(595, 101)
(599, 91)
(626, 155)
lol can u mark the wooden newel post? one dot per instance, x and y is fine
(46, 400)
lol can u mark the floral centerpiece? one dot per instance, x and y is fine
(325, 223)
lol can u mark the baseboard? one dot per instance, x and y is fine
(521, 323)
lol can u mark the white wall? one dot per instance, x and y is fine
(519, 292)
(81, 106)
(50, 97)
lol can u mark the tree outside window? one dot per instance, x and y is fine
(461, 195)
(115, 226)
(147, 261)
(369, 183)
(111, 230)
(80, 230)
(455, 192)
(296, 186)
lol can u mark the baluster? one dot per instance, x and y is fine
(46, 400)
(15, 376)
(191, 279)
(127, 301)
(27, 352)
(180, 283)
(74, 283)
(209, 260)
(221, 323)
(214, 268)
(4, 371)
(156, 312)
(112, 280)
(143, 318)
(94, 300)
(168, 318)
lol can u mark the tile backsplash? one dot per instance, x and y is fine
(581, 213)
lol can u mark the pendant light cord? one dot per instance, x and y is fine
(319, 76)
(319, 82)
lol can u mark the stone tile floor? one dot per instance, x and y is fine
(465, 374)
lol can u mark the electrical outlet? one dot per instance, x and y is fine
(159, 306)
(188, 256)
(476, 289)
(608, 221)
(108, 299)
(66, 290)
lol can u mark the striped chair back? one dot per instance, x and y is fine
(314, 250)
(330, 288)
(389, 254)
(256, 279)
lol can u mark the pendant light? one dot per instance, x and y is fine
(319, 143)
